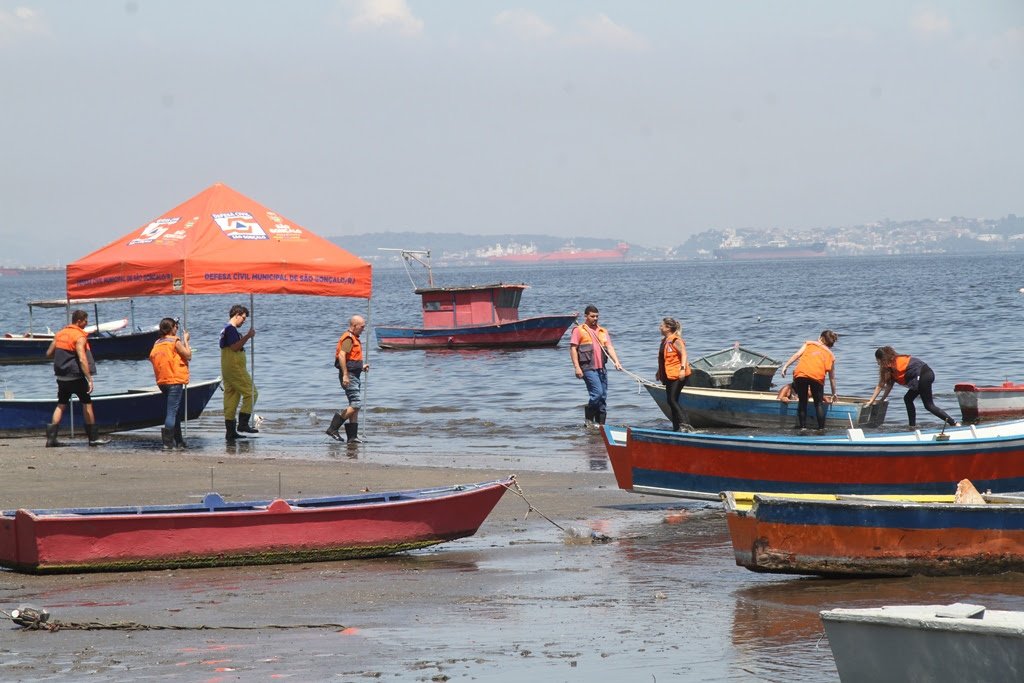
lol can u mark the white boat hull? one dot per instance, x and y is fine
(917, 643)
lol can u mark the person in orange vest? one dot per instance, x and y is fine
(673, 369)
(348, 358)
(816, 360)
(74, 367)
(590, 347)
(913, 373)
(170, 358)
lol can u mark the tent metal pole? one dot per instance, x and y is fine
(252, 353)
(184, 328)
(366, 354)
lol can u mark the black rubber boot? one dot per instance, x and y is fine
(244, 426)
(588, 415)
(167, 437)
(600, 416)
(332, 431)
(94, 436)
(230, 433)
(51, 436)
(352, 432)
(179, 439)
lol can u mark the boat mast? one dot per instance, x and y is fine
(414, 255)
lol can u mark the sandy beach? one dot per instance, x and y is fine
(479, 607)
(663, 600)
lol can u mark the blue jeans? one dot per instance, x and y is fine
(175, 406)
(597, 388)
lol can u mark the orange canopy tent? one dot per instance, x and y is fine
(219, 242)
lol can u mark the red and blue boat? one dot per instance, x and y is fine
(986, 403)
(700, 465)
(473, 317)
(217, 532)
(841, 535)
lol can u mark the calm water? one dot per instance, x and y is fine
(523, 410)
(487, 408)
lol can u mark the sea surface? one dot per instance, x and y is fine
(523, 410)
(494, 408)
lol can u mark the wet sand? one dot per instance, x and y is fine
(662, 601)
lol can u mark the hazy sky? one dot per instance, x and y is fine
(645, 121)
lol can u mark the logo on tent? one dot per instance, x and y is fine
(153, 231)
(239, 225)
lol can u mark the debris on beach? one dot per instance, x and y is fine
(581, 535)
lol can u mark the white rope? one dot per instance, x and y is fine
(640, 381)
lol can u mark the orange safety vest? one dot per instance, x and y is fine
(899, 369)
(168, 365)
(65, 359)
(673, 359)
(66, 338)
(355, 353)
(585, 350)
(815, 362)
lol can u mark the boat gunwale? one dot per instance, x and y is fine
(892, 440)
(356, 501)
(141, 391)
(440, 331)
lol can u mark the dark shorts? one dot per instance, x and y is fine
(77, 387)
(352, 390)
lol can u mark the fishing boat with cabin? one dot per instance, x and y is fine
(472, 317)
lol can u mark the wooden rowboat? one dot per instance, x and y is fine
(935, 643)
(700, 465)
(120, 412)
(710, 407)
(221, 533)
(840, 535)
(117, 340)
(735, 368)
(983, 404)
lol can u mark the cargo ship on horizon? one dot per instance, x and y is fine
(566, 255)
(771, 251)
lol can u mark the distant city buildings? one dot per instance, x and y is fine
(926, 236)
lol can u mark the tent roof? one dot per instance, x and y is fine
(219, 242)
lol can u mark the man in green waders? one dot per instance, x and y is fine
(237, 383)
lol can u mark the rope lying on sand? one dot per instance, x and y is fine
(32, 619)
(571, 533)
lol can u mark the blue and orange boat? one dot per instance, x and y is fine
(700, 465)
(839, 535)
(473, 317)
